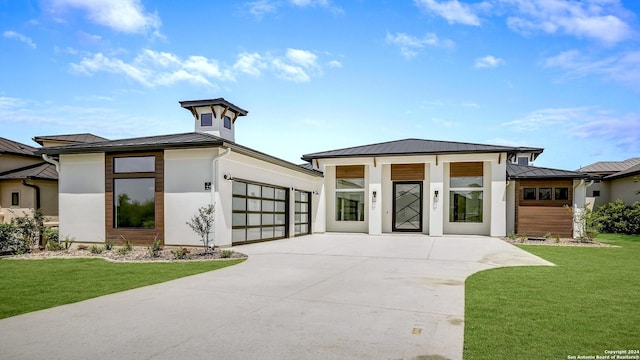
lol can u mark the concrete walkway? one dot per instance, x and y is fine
(329, 296)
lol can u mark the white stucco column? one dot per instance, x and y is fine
(375, 199)
(498, 198)
(436, 203)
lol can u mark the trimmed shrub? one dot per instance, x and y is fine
(619, 218)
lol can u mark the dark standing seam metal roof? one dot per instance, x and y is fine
(610, 166)
(173, 141)
(416, 147)
(632, 171)
(515, 171)
(15, 148)
(43, 171)
(189, 104)
(72, 138)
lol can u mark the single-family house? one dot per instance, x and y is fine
(613, 180)
(141, 189)
(27, 182)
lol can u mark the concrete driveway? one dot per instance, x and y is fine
(329, 296)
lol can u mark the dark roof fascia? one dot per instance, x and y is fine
(70, 138)
(492, 149)
(453, 152)
(633, 171)
(104, 147)
(551, 176)
(270, 159)
(133, 148)
(4, 175)
(188, 104)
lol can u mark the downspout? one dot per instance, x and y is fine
(46, 158)
(214, 173)
(37, 189)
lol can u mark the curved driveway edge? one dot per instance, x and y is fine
(324, 296)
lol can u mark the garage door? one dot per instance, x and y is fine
(302, 213)
(259, 212)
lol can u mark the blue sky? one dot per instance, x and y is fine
(319, 75)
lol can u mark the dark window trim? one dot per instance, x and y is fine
(227, 122)
(308, 212)
(202, 120)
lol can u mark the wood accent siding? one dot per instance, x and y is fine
(540, 220)
(350, 172)
(466, 169)
(402, 172)
(135, 236)
(539, 217)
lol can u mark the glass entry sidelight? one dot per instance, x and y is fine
(407, 206)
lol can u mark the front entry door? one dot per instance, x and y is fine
(407, 206)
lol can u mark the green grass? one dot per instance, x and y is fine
(29, 285)
(588, 303)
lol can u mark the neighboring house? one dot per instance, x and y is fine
(613, 180)
(147, 188)
(27, 182)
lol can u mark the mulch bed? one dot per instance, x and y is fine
(138, 254)
(556, 242)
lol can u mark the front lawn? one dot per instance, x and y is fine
(588, 303)
(29, 285)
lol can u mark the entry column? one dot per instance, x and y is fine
(436, 205)
(375, 199)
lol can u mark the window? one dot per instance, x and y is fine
(523, 160)
(227, 122)
(134, 164)
(544, 194)
(528, 193)
(350, 193)
(465, 206)
(15, 199)
(465, 196)
(596, 193)
(206, 119)
(134, 192)
(561, 194)
(259, 212)
(134, 203)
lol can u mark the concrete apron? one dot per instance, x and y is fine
(328, 296)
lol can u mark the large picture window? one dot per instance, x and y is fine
(134, 196)
(134, 203)
(350, 193)
(466, 183)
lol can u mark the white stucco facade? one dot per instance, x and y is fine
(81, 197)
(435, 208)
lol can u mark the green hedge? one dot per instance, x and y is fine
(619, 218)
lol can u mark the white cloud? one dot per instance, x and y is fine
(488, 61)
(602, 20)
(445, 123)
(410, 45)
(290, 72)
(127, 16)
(545, 118)
(621, 67)
(259, 8)
(334, 64)
(452, 11)
(22, 38)
(585, 123)
(156, 68)
(302, 57)
(250, 63)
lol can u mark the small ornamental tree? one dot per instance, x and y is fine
(202, 224)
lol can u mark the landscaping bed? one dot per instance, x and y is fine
(554, 241)
(135, 254)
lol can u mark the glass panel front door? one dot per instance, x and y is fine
(407, 206)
